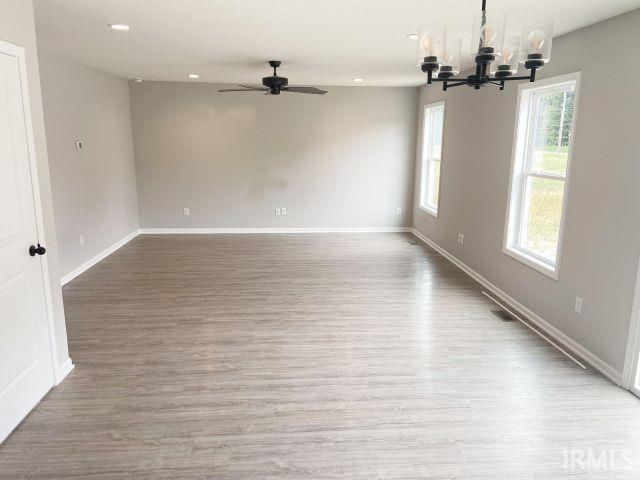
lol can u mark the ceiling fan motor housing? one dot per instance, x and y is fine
(275, 83)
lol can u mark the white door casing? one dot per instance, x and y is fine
(26, 350)
(631, 373)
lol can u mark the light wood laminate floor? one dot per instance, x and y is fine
(358, 356)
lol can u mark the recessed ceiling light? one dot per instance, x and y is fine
(412, 36)
(358, 80)
(120, 27)
(194, 75)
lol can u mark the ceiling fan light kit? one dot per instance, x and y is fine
(496, 56)
(274, 85)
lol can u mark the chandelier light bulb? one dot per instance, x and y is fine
(450, 58)
(507, 54)
(507, 63)
(431, 46)
(536, 41)
(535, 47)
(489, 34)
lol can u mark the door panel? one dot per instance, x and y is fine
(26, 367)
(10, 224)
(18, 347)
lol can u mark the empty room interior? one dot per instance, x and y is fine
(319, 240)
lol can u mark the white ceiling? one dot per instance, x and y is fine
(321, 42)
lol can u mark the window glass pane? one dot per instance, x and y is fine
(434, 183)
(436, 147)
(542, 213)
(426, 146)
(553, 115)
(431, 160)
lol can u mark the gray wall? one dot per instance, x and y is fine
(602, 234)
(17, 27)
(94, 189)
(344, 159)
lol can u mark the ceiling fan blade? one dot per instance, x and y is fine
(241, 90)
(255, 87)
(311, 90)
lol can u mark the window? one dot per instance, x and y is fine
(540, 171)
(431, 157)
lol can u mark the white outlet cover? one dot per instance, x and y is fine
(283, 210)
(399, 211)
(79, 145)
(277, 212)
(186, 211)
(578, 305)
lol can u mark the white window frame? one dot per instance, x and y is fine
(518, 178)
(425, 160)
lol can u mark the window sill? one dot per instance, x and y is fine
(430, 211)
(528, 260)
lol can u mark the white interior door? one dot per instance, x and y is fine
(26, 367)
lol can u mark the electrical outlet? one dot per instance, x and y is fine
(79, 145)
(277, 212)
(283, 210)
(578, 305)
(399, 211)
(81, 239)
(186, 211)
(461, 238)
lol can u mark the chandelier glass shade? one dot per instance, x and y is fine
(488, 32)
(497, 56)
(507, 63)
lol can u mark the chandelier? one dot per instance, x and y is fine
(496, 56)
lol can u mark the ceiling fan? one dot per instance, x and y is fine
(274, 84)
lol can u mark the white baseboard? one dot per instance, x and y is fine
(577, 349)
(105, 253)
(165, 231)
(63, 370)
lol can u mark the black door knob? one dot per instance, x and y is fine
(40, 250)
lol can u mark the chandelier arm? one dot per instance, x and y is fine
(449, 80)
(446, 85)
(507, 79)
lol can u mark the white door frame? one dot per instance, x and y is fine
(632, 356)
(19, 53)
